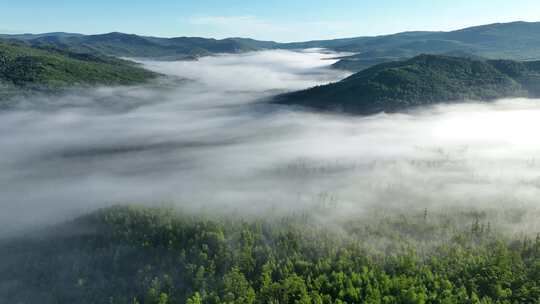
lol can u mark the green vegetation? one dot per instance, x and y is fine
(152, 255)
(516, 41)
(364, 60)
(129, 45)
(423, 80)
(49, 68)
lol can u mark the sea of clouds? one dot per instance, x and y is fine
(203, 138)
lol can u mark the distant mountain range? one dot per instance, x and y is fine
(517, 41)
(422, 80)
(129, 45)
(395, 72)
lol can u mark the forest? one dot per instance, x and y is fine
(158, 255)
(421, 81)
(48, 68)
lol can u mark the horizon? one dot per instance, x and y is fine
(256, 38)
(280, 21)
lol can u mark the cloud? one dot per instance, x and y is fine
(227, 20)
(106, 145)
(208, 144)
(253, 26)
(245, 26)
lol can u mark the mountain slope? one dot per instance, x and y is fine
(129, 45)
(30, 67)
(513, 37)
(516, 40)
(422, 80)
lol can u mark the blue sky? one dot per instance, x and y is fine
(281, 20)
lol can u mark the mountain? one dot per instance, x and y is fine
(27, 67)
(422, 80)
(30, 36)
(516, 41)
(129, 45)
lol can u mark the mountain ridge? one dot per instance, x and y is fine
(514, 40)
(421, 81)
(46, 68)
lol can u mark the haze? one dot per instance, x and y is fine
(205, 141)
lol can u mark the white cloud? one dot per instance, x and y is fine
(237, 24)
(255, 27)
(210, 144)
(226, 20)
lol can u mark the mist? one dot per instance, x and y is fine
(203, 139)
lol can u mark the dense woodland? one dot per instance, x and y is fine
(130, 45)
(45, 68)
(420, 81)
(158, 255)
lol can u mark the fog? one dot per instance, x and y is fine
(203, 139)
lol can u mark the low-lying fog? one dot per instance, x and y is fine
(209, 143)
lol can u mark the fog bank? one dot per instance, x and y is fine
(202, 140)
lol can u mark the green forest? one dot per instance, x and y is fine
(514, 40)
(420, 81)
(46, 68)
(134, 254)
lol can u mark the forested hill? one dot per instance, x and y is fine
(130, 45)
(423, 80)
(27, 67)
(129, 255)
(516, 41)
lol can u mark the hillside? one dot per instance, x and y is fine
(482, 38)
(516, 41)
(129, 45)
(422, 80)
(158, 256)
(27, 67)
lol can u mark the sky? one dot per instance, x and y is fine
(279, 20)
